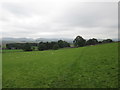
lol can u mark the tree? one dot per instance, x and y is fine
(107, 41)
(92, 41)
(47, 45)
(41, 46)
(79, 41)
(8, 46)
(100, 42)
(27, 47)
(52, 44)
(56, 46)
(66, 44)
(61, 43)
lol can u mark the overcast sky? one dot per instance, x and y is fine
(59, 19)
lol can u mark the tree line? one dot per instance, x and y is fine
(78, 42)
(40, 46)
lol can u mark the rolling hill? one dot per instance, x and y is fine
(83, 67)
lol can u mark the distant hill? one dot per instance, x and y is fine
(46, 39)
(15, 40)
(18, 39)
(53, 39)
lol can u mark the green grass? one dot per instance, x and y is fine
(9, 50)
(84, 67)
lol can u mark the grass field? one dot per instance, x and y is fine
(84, 67)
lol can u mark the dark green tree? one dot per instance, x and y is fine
(47, 45)
(41, 46)
(8, 46)
(66, 44)
(107, 41)
(100, 42)
(61, 43)
(56, 46)
(79, 41)
(92, 41)
(27, 47)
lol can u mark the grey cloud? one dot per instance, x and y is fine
(17, 9)
(91, 15)
(61, 20)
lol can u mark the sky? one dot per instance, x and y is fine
(59, 19)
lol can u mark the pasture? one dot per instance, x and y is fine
(83, 67)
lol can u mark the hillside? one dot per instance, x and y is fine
(84, 67)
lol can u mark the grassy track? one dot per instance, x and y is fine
(84, 67)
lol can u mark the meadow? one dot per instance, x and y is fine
(83, 67)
